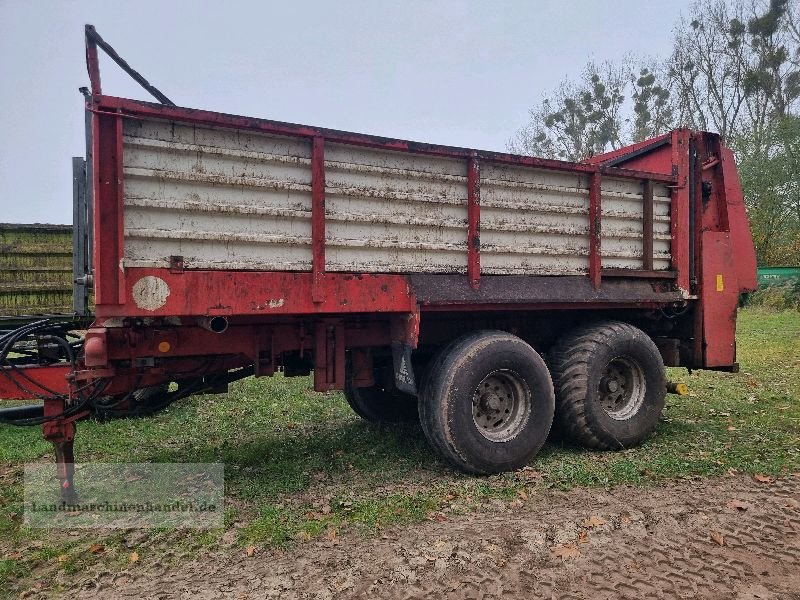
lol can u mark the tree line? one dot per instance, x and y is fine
(734, 69)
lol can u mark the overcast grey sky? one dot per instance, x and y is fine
(461, 73)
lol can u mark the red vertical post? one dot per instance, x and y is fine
(119, 168)
(679, 209)
(647, 225)
(92, 63)
(108, 217)
(595, 264)
(317, 216)
(474, 222)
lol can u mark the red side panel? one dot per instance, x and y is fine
(744, 254)
(154, 292)
(649, 155)
(720, 297)
(727, 259)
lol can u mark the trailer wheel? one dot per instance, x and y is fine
(610, 385)
(487, 403)
(381, 403)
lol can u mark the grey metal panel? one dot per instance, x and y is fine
(80, 248)
(89, 193)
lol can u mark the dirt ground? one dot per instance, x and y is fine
(733, 537)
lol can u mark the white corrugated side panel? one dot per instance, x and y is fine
(621, 245)
(219, 198)
(394, 211)
(533, 221)
(230, 199)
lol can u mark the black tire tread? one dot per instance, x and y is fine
(430, 421)
(570, 361)
(381, 406)
(441, 374)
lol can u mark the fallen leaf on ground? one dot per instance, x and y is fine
(718, 538)
(565, 551)
(529, 473)
(522, 495)
(736, 505)
(96, 548)
(250, 551)
(762, 478)
(134, 557)
(331, 535)
(583, 537)
(62, 558)
(594, 521)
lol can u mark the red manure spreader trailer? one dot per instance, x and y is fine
(484, 294)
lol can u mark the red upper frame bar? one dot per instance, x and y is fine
(138, 108)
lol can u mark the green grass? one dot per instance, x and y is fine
(300, 464)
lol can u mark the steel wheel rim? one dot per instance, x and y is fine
(622, 388)
(501, 405)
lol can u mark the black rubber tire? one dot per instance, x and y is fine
(381, 403)
(446, 402)
(578, 363)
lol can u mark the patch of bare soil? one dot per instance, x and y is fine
(715, 538)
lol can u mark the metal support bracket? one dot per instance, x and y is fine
(93, 41)
(405, 338)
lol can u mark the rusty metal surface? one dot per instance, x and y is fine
(450, 290)
(159, 292)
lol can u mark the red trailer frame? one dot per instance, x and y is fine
(325, 321)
